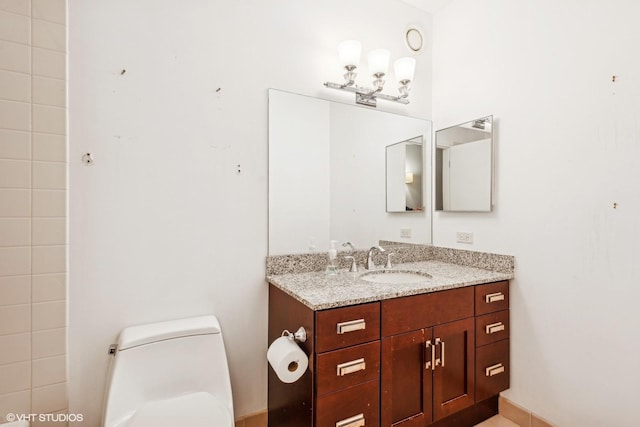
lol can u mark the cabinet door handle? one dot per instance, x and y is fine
(494, 327)
(351, 367)
(440, 360)
(429, 364)
(494, 370)
(355, 421)
(498, 296)
(351, 325)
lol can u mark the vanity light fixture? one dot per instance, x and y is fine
(349, 58)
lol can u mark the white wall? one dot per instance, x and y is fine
(567, 148)
(170, 97)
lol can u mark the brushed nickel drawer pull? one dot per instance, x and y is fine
(494, 327)
(498, 296)
(351, 325)
(440, 360)
(430, 363)
(351, 367)
(494, 370)
(355, 421)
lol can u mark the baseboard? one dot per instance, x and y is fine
(258, 419)
(519, 415)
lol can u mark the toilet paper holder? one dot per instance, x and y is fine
(299, 335)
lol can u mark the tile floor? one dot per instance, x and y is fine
(497, 421)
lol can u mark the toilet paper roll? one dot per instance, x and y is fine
(287, 359)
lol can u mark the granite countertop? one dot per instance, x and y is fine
(319, 291)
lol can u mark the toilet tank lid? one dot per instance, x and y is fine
(145, 334)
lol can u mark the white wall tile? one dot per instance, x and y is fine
(15, 403)
(15, 377)
(15, 232)
(49, 91)
(49, 399)
(51, 342)
(48, 259)
(49, 63)
(49, 203)
(15, 174)
(15, 261)
(15, 144)
(49, 176)
(48, 287)
(49, 119)
(15, 319)
(48, 315)
(15, 86)
(15, 348)
(15, 290)
(49, 147)
(15, 28)
(50, 370)
(49, 10)
(48, 35)
(15, 202)
(15, 57)
(17, 115)
(21, 7)
(48, 231)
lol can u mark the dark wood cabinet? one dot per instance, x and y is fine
(427, 374)
(436, 359)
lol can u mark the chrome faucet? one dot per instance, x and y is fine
(370, 265)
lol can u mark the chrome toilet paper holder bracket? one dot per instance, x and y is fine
(300, 335)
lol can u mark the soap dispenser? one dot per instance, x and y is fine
(332, 262)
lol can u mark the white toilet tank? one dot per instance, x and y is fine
(170, 374)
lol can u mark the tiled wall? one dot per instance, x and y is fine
(33, 203)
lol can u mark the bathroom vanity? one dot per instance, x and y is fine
(430, 353)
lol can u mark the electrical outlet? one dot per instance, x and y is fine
(464, 237)
(405, 233)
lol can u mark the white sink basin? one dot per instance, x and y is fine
(395, 276)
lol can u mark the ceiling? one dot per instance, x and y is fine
(430, 6)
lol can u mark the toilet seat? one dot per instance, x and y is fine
(193, 410)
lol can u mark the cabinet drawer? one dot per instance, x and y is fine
(492, 369)
(492, 297)
(492, 327)
(353, 407)
(347, 367)
(342, 327)
(415, 312)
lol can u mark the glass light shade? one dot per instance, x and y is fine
(349, 53)
(379, 61)
(405, 68)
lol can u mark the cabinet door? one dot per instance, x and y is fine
(453, 377)
(406, 380)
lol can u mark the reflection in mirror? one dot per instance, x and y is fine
(404, 176)
(464, 167)
(327, 175)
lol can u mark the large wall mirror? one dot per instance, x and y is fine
(328, 175)
(464, 167)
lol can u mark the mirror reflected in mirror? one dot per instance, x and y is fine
(464, 167)
(327, 179)
(404, 176)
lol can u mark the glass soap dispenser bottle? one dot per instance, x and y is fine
(332, 261)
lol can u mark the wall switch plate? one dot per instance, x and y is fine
(405, 233)
(464, 237)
